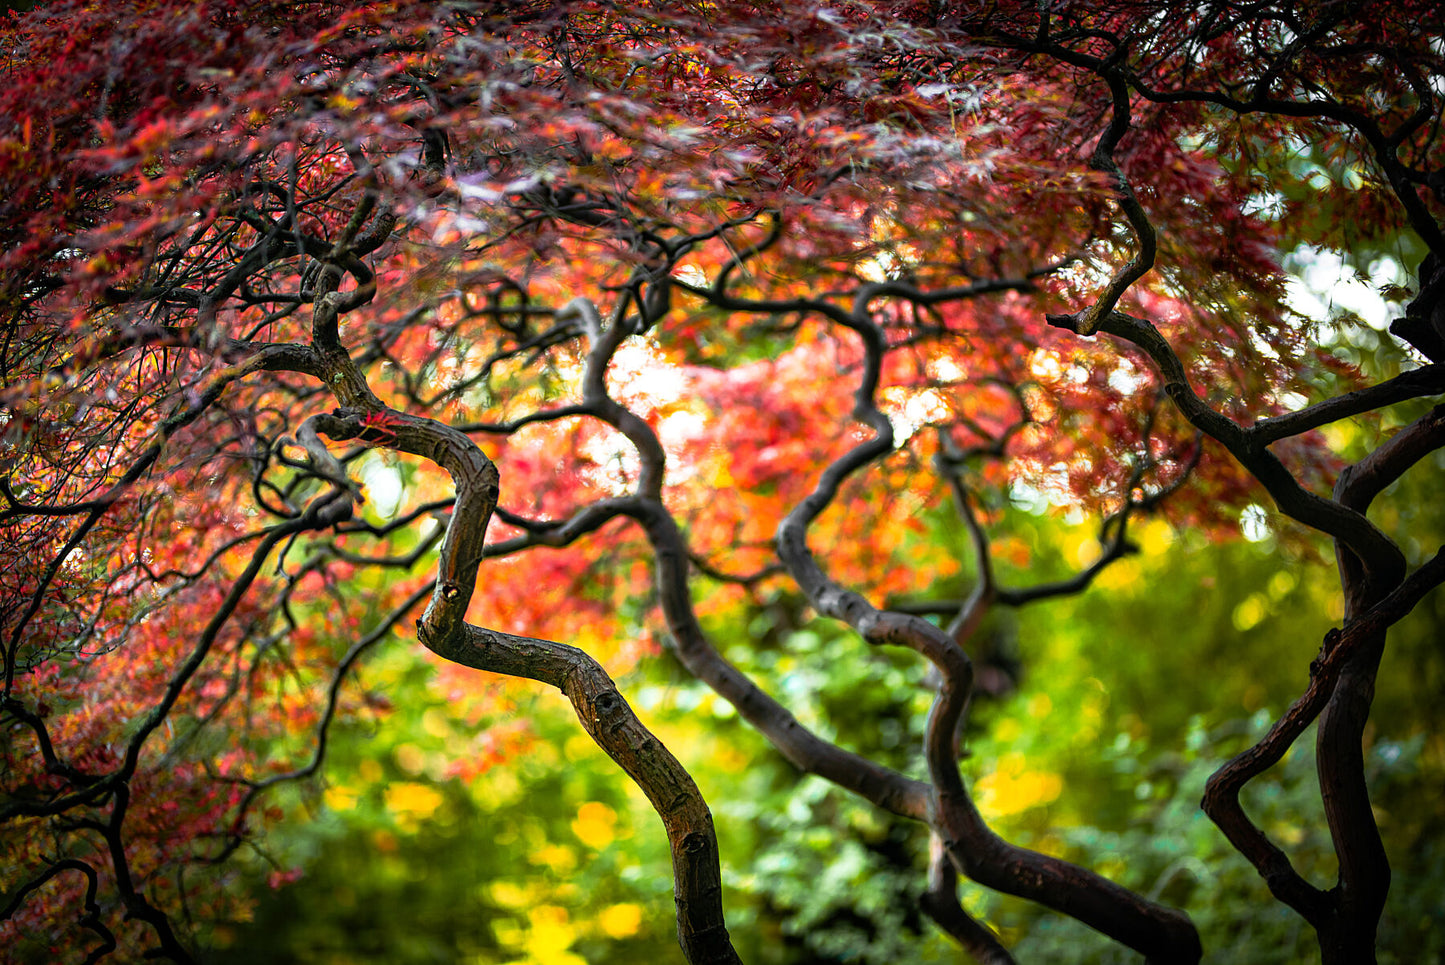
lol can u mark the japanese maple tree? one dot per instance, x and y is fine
(645, 309)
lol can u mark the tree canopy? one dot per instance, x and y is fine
(568, 338)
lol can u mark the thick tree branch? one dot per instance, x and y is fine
(613, 725)
(1162, 934)
(91, 918)
(940, 902)
(599, 706)
(1359, 484)
(1380, 556)
(1424, 381)
(1221, 795)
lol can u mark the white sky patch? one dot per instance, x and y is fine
(1293, 400)
(1125, 378)
(680, 428)
(691, 275)
(945, 369)
(1047, 487)
(1322, 285)
(1045, 365)
(383, 488)
(638, 373)
(910, 411)
(618, 464)
(1254, 523)
(1028, 497)
(75, 562)
(640, 379)
(880, 267)
(1266, 204)
(1263, 347)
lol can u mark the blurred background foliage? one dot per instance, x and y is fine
(441, 833)
(1108, 712)
(1099, 720)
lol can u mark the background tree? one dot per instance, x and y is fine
(635, 324)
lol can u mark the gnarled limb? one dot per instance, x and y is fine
(1380, 556)
(606, 716)
(1162, 934)
(601, 709)
(940, 902)
(1340, 648)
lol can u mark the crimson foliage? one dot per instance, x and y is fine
(669, 302)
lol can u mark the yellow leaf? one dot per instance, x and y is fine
(509, 894)
(340, 798)
(621, 921)
(413, 800)
(1013, 787)
(595, 825)
(551, 936)
(559, 859)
